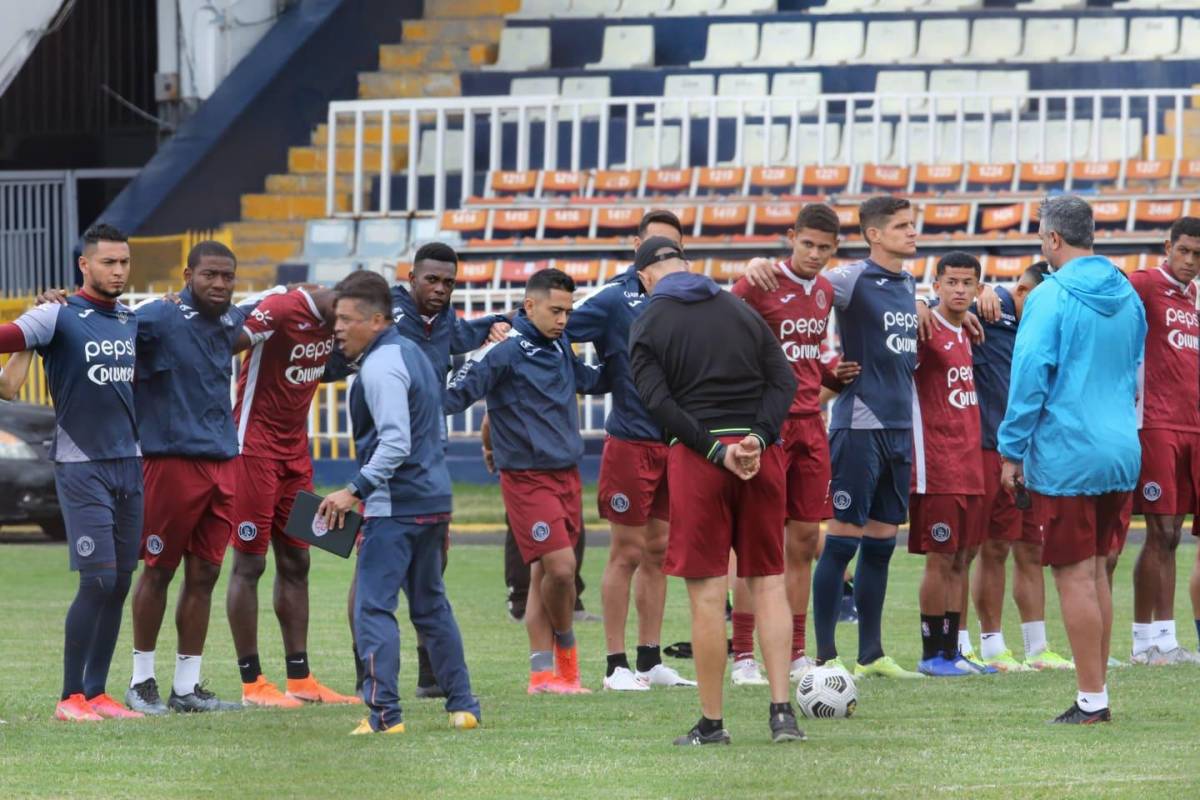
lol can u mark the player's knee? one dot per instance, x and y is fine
(802, 542)
(202, 575)
(994, 550)
(99, 579)
(293, 566)
(560, 567)
(248, 567)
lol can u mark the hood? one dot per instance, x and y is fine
(686, 287)
(1095, 282)
(404, 303)
(630, 279)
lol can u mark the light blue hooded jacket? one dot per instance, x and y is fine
(1071, 402)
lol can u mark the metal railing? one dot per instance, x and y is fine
(469, 134)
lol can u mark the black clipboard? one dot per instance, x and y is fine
(304, 524)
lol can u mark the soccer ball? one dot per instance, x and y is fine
(826, 693)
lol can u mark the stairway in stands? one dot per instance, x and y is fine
(454, 35)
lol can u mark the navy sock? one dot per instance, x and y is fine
(827, 591)
(424, 668)
(80, 629)
(104, 642)
(870, 588)
(1198, 630)
(360, 671)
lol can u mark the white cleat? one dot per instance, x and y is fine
(1143, 658)
(1176, 655)
(747, 673)
(663, 676)
(800, 667)
(623, 680)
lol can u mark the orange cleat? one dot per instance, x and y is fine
(549, 683)
(108, 708)
(539, 682)
(309, 690)
(265, 694)
(76, 709)
(566, 664)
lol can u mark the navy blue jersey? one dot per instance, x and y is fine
(605, 318)
(89, 352)
(877, 322)
(993, 363)
(184, 370)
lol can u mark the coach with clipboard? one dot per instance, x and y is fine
(396, 408)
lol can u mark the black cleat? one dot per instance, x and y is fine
(785, 729)
(1077, 716)
(428, 691)
(198, 701)
(144, 698)
(695, 737)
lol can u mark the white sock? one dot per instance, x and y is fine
(143, 667)
(1092, 701)
(991, 645)
(1164, 635)
(1034, 634)
(1144, 634)
(187, 673)
(964, 643)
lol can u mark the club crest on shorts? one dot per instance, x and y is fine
(619, 503)
(1152, 491)
(540, 531)
(247, 531)
(841, 500)
(85, 546)
(319, 526)
(154, 544)
(940, 532)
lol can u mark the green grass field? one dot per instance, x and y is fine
(979, 737)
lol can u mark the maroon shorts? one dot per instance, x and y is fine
(1170, 479)
(806, 453)
(633, 482)
(943, 523)
(1001, 517)
(189, 509)
(545, 509)
(1078, 528)
(714, 511)
(266, 488)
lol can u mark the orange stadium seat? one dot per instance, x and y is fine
(1098, 174)
(1128, 263)
(1156, 214)
(518, 272)
(848, 216)
(563, 182)
(476, 273)
(1189, 173)
(772, 180)
(618, 220)
(1111, 214)
(774, 217)
(508, 223)
(917, 267)
(938, 177)
(584, 272)
(825, 180)
(403, 270)
(1148, 173)
(720, 180)
(882, 177)
(1001, 218)
(515, 183)
(1043, 175)
(945, 217)
(727, 220)
(1006, 268)
(727, 270)
(617, 183)
(990, 177)
(466, 223)
(560, 222)
(666, 182)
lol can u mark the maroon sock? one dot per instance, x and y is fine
(798, 621)
(743, 635)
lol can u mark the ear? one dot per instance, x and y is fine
(1167, 248)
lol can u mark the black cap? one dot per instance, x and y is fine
(647, 254)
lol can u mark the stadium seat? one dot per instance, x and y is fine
(847, 217)
(864, 146)
(516, 273)
(692, 8)
(575, 88)
(725, 270)
(592, 8)
(523, 49)
(467, 223)
(533, 87)
(542, 9)
(945, 217)
(754, 145)
(843, 7)
(884, 178)
(890, 41)
(1095, 174)
(688, 85)
(730, 44)
(736, 85)
(667, 182)
(617, 183)
(973, 146)
(1130, 262)
(945, 84)
(514, 223)
(837, 42)
(643, 8)
(586, 272)
(1111, 214)
(749, 7)
(774, 218)
(772, 180)
(1152, 37)
(560, 222)
(898, 82)
(1043, 176)
(994, 40)
(997, 177)
(643, 147)
(1051, 5)
(1007, 268)
(328, 244)
(1189, 38)
(788, 87)
(506, 183)
(938, 177)
(1098, 38)
(618, 220)
(807, 144)
(826, 180)
(427, 160)
(557, 182)
(783, 44)
(1047, 39)
(626, 47)
(1005, 87)
(476, 273)
(994, 219)
(724, 220)
(1156, 214)
(1189, 173)
(380, 242)
(720, 180)
(944, 40)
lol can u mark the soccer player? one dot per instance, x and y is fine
(632, 494)
(1070, 431)
(530, 381)
(399, 433)
(947, 483)
(88, 347)
(870, 438)
(1169, 420)
(714, 377)
(184, 368)
(797, 312)
(291, 336)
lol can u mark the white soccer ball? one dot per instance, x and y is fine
(826, 693)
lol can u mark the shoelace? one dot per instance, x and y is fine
(202, 691)
(148, 691)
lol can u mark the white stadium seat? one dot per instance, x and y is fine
(995, 40)
(843, 7)
(626, 47)
(895, 6)
(795, 88)
(754, 145)
(749, 7)
(862, 149)
(946, 83)
(1152, 37)
(523, 49)
(643, 8)
(531, 87)
(381, 242)
(692, 8)
(943, 40)
(328, 238)
(837, 42)
(451, 154)
(579, 87)
(890, 41)
(688, 85)
(643, 148)
(1052, 5)
(973, 145)
(1048, 39)
(1110, 139)
(898, 82)
(808, 143)
(1189, 38)
(1098, 38)
(542, 9)
(592, 8)
(953, 5)
(783, 44)
(1005, 87)
(742, 84)
(730, 44)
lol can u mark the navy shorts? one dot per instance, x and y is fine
(102, 507)
(871, 474)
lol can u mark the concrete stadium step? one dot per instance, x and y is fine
(372, 132)
(306, 183)
(253, 232)
(436, 9)
(264, 251)
(256, 275)
(312, 160)
(450, 30)
(386, 85)
(289, 206)
(406, 57)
